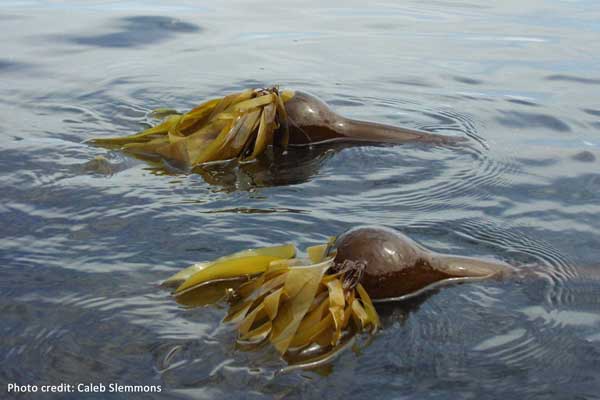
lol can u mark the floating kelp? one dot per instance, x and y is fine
(239, 125)
(244, 125)
(310, 308)
(295, 304)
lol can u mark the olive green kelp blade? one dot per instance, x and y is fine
(240, 125)
(295, 304)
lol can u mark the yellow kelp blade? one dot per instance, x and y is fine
(265, 130)
(300, 288)
(192, 145)
(311, 320)
(337, 302)
(159, 146)
(236, 141)
(318, 253)
(369, 307)
(212, 150)
(249, 262)
(232, 139)
(228, 101)
(259, 287)
(361, 318)
(265, 288)
(161, 113)
(284, 252)
(271, 303)
(177, 279)
(301, 309)
(144, 136)
(251, 104)
(192, 120)
(232, 268)
(257, 335)
(239, 125)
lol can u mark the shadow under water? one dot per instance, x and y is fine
(295, 166)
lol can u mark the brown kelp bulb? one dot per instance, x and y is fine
(311, 120)
(395, 264)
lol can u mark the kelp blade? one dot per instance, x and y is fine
(302, 307)
(231, 268)
(301, 287)
(299, 306)
(284, 252)
(178, 278)
(210, 293)
(250, 262)
(238, 125)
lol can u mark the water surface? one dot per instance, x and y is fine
(84, 246)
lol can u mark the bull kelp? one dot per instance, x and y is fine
(307, 308)
(240, 125)
(310, 308)
(244, 125)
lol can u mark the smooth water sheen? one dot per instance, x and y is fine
(84, 244)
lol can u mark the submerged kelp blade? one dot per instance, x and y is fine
(298, 361)
(239, 125)
(209, 293)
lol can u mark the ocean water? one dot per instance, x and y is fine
(84, 244)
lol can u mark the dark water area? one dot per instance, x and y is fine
(84, 244)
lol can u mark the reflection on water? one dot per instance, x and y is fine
(87, 234)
